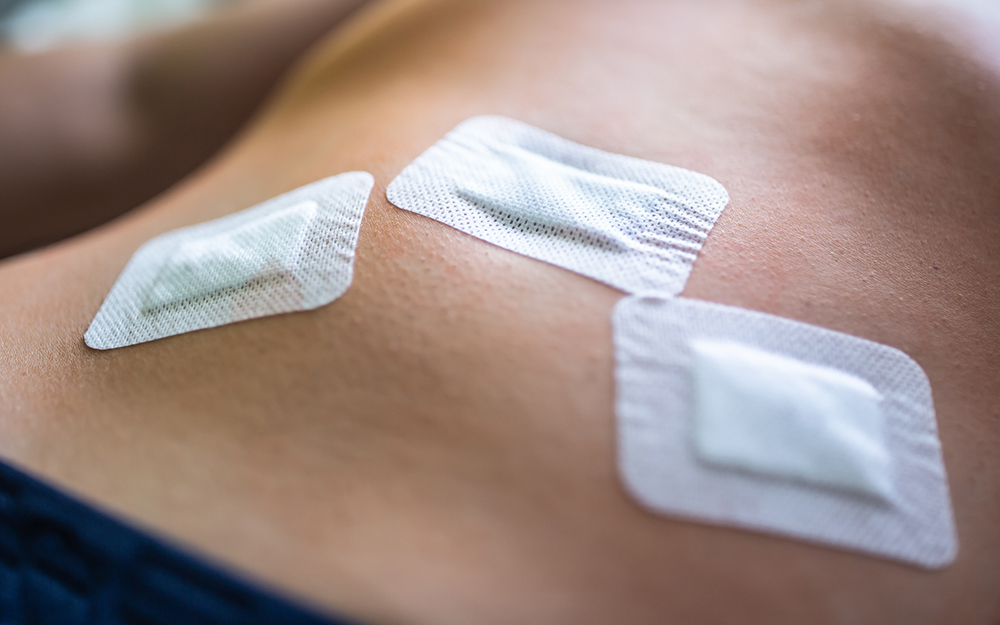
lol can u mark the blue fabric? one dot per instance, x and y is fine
(64, 563)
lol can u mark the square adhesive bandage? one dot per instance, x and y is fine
(294, 252)
(635, 225)
(742, 418)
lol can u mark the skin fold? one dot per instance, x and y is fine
(437, 446)
(92, 130)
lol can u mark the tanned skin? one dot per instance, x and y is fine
(438, 445)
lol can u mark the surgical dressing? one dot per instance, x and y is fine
(294, 252)
(633, 224)
(781, 417)
(741, 418)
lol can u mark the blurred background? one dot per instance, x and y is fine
(39, 25)
(104, 104)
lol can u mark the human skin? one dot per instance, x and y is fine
(89, 131)
(438, 445)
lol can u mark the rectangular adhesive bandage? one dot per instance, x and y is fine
(742, 418)
(294, 252)
(632, 224)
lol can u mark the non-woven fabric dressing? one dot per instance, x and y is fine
(742, 418)
(778, 416)
(259, 250)
(294, 252)
(633, 224)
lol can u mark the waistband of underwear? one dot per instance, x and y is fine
(63, 561)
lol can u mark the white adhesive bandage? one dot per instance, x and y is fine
(633, 224)
(294, 252)
(741, 418)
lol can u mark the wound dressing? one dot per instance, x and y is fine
(741, 418)
(633, 224)
(294, 252)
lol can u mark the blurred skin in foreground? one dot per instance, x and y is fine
(437, 446)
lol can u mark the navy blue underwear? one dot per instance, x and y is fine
(63, 562)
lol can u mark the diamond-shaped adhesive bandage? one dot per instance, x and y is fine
(294, 252)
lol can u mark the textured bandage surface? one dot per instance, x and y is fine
(742, 418)
(294, 252)
(632, 224)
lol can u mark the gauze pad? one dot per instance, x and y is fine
(632, 224)
(741, 418)
(294, 252)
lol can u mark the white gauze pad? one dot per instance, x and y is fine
(742, 418)
(294, 252)
(632, 224)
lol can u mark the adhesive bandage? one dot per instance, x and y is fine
(294, 252)
(632, 224)
(742, 418)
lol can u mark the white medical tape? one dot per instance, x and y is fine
(741, 418)
(293, 252)
(633, 224)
